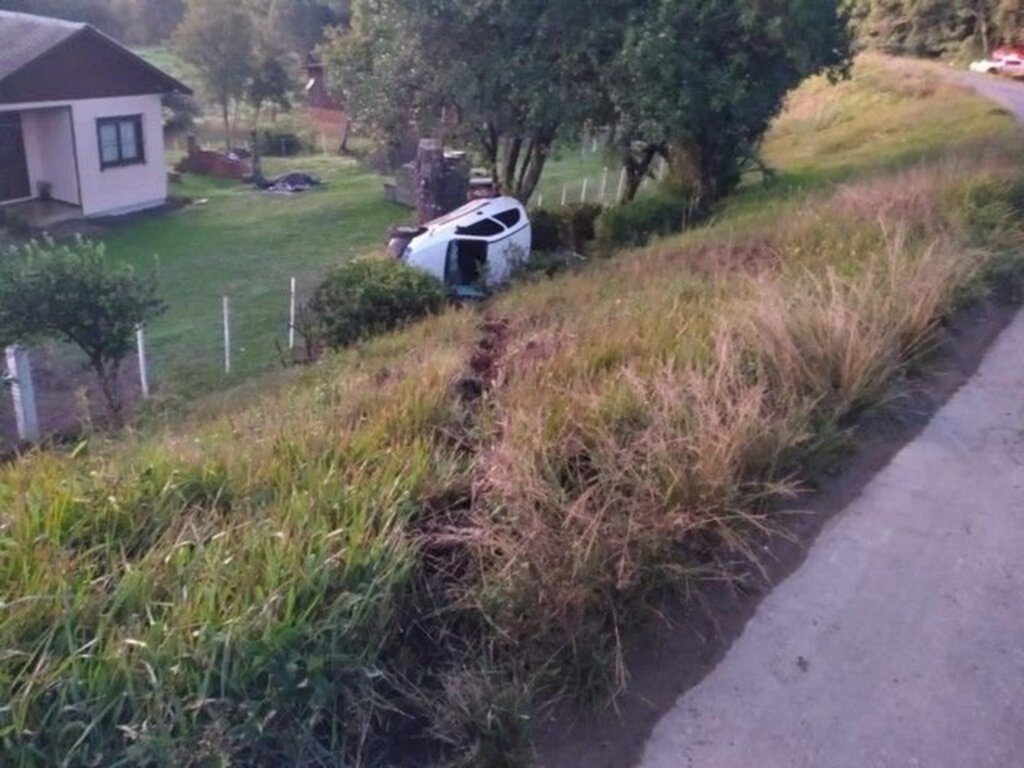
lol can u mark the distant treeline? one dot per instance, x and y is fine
(937, 27)
(295, 25)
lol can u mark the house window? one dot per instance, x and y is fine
(120, 141)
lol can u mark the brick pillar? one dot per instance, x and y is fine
(429, 180)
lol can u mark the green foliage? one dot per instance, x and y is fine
(636, 222)
(508, 70)
(571, 226)
(269, 82)
(937, 27)
(73, 293)
(370, 296)
(218, 37)
(699, 82)
(271, 143)
(180, 111)
(546, 230)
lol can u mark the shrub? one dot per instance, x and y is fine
(569, 227)
(546, 230)
(577, 224)
(369, 296)
(278, 143)
(634, 223)
(73, 293)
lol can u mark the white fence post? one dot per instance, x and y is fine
(227, 335)
(540, 200)
(23, 394)
(604, 186)
(583, 194)
(140, 343)
(565, 192)
(622, 186)
(291, 319)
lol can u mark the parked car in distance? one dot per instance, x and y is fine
(985, 67)
(1008, 62)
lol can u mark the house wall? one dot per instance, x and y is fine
(130, 188)
(50, 151)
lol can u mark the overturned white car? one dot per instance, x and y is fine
(471, 249)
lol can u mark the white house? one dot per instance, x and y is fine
(81, 119)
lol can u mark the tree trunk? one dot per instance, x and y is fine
(227, 125)
(345, 131)
(638, 166)
(110, 387)
(532, 169)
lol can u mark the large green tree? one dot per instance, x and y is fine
(699, 82)
(506, 76)
(696, 81)
(219, 38)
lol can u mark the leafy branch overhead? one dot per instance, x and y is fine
(695, 81)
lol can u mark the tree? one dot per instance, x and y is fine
(514, 74)
(269, 83)
(217, 36)
(935, 27)
(72, 293)
(699, 81)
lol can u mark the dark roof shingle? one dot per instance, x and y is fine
(24, 38)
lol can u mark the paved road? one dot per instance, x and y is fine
(1006, 93)
(900, 640)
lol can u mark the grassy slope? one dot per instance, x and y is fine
(310, 567)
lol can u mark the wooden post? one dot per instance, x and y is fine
(564, 195)
(23, 394)
(140, 343)
(227, 335)
(604, 186)
(622, 186)
(583, 193)
(291, 319)
(540, 200)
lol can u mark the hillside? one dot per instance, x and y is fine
(411, 549)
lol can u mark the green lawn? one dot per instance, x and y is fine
(247, 245)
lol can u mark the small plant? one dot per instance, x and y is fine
(370, 296)
(72, 293)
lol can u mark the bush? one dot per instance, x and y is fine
(570, 227)
(371, 296)
(634, 223)
(278, 143)
(546, 227)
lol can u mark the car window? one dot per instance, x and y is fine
(482, 228)
(510, 217)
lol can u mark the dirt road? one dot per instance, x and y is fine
(900, 640)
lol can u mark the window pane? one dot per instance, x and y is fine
(482, 228)
(129, 141)
(108, 143)
(509, 218)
